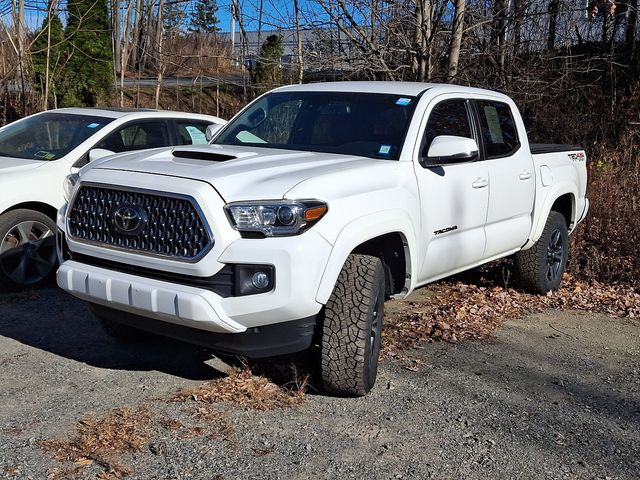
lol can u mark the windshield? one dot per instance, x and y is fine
(364, 124)
(49, 136)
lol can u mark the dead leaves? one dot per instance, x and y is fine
(457, 310)
(243, 388)
(98, 440)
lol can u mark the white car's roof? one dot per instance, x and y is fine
(394, 88)
(116, 113)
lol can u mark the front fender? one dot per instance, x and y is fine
(359, 231)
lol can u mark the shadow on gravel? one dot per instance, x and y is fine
(558, 405)
(51, 320)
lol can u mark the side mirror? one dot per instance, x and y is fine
(97, 153)
(451, 149)
(212, 130)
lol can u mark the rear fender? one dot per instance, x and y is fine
(541, 212)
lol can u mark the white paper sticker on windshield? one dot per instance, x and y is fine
(248, 137)
(93, 125)
(384, 149)
(493, 122)
(197, 137)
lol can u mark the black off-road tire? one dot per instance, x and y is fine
(352, 326)
(119, 331)
(540, 268)
(27, 249)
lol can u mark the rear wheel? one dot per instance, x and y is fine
(540, 268)
(352, 327)
(27, 249)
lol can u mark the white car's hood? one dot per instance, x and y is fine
(250, 174)
(10, 165)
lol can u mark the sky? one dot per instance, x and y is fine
(275, 12)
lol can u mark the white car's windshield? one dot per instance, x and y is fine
(349, 123)
(48, 136)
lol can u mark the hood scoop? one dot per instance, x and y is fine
(202, 155)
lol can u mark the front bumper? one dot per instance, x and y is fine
(293, 298)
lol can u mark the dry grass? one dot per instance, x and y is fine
(243, 388)
(605, 247)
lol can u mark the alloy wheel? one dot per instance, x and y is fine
(28, 252)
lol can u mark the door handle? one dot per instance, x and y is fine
(526, 175)
(480, 183)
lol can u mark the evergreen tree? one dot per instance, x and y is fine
(90, 67)
(173, 16)
(203, 17)
(268, 70)
(49, 40)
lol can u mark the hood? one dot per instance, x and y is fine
(238, 172)
(10, 165)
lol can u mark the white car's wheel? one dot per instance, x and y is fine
(27, 249)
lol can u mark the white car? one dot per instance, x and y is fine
(310, 208)
(39, 151)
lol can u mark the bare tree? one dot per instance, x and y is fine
(115, 29)
(456, 39)
(552, 9)
(300, 62)
(421, 57)
(159, 43)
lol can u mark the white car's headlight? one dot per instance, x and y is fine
(69, 185)
(279, 218)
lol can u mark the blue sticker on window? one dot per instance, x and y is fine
(384, 149)
(93, 125)
(403, 101)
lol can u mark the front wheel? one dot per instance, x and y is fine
(540, 268)
(27, 249)
(352, 327)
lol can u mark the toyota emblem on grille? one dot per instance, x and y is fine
(129, 219)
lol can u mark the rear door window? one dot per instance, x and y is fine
(498, 129)
(137, 136)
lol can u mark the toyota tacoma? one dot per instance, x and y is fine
(309, 209)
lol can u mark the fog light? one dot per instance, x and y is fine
(254, 279)
(260, 280)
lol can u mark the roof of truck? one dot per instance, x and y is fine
(394, 88)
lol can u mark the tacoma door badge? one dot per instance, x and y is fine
(129, 219)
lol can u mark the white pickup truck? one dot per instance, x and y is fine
(311, 207)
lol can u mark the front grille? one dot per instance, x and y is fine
(172, 226)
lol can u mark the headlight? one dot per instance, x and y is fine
(69, 185)
(278, 218)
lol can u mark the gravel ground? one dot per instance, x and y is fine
(555, 395)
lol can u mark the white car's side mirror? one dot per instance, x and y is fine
(97, 153)
(212, 130)
(450, 149)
